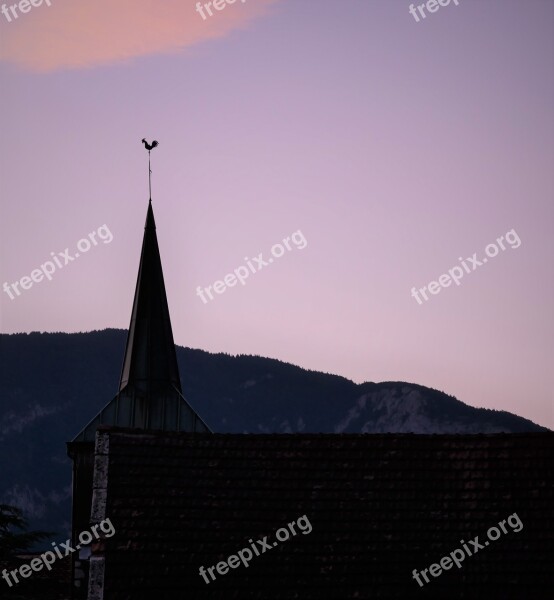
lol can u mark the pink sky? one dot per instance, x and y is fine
(394, 146)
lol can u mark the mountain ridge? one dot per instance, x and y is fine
(53, 384)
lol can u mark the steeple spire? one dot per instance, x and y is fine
(150, 362)
(150, 395)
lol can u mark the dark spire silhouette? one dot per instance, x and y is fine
(150, 395)
(150, 361)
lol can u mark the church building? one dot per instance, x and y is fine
(199, 514)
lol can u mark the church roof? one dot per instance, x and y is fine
(150, 395)
(379, 506)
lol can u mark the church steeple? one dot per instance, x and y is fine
(150, 395)
(150, 363)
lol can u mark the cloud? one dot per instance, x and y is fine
(73, 34)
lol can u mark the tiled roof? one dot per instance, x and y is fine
(380, 506)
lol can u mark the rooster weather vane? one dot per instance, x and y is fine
(149, 147)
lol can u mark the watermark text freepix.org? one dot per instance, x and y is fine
(456, 273)
(217, 4)
(48, 558)
(48, 268)
(459, 555)
(258, 547)
(24, 6)
(431, 6)
(254, 265)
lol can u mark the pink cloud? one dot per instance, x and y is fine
(86, 33)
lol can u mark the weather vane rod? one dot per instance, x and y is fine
(149, 147)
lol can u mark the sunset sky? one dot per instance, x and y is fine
(395, 147)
